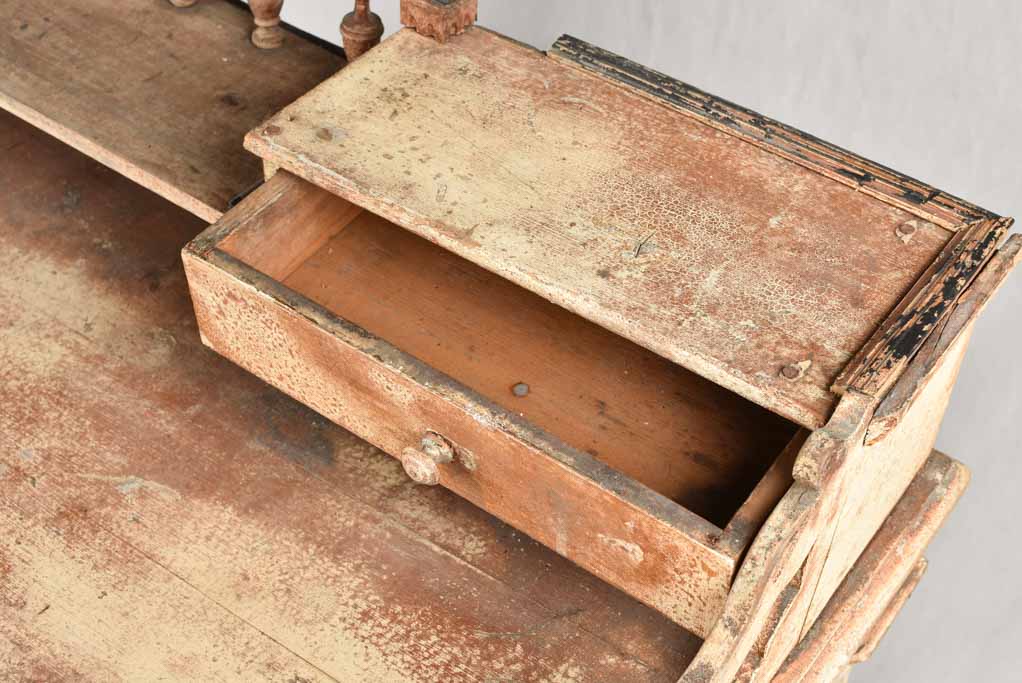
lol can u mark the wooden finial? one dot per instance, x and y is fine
(267, 34)
(439, 19)
(360, 30)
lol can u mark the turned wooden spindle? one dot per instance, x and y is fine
(267, 33)
(360, 30)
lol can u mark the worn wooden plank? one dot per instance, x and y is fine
(863, 484)
(159, 94)
(718, 254)
(885, 466)
(873, 592)
(779, 567)
(77, 602)
(852, 486)
(150, 451)
(968, 308)
(821, 156)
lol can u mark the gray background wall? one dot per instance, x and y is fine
(931, 88)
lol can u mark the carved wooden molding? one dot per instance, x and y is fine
(439, 19)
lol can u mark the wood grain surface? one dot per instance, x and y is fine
(851, 626)
(160, 94)
(629, 535)
(679, 434)
(166, 514)
(714, 252)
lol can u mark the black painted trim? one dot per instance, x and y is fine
(747, 123)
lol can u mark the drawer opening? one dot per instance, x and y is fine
(692, 441)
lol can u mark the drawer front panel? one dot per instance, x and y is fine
(622, 532)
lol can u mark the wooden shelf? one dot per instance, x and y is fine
(159, 94)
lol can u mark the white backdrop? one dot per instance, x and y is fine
(931, 88)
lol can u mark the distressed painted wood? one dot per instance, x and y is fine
(897, 402)
(269, 537)
(750, 269)
(439, 19)
(893, 453)
(624, 532)
(823, 157)
(776, 558)
(161, 95)
(146, 483)
(862, 609)
(880, 362)
(668, 429)
(846, 484)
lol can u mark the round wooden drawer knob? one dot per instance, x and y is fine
(423, 466)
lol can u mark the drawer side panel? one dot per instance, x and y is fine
(638, 541)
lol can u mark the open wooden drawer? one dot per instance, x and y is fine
(641, 471)
(696, 351)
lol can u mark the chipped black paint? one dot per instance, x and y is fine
(929, 309)
(914, 326)
(814, 152)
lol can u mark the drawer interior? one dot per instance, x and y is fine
(682, 436)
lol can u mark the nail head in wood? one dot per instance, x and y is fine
(521, 389)
(439, 19)
(794, 371)
(361, 29)
(906, 230)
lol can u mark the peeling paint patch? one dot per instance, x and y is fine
(633, 551)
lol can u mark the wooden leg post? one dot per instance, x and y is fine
(360, 30)
(267, 33)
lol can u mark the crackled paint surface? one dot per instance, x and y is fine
(711, 251)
